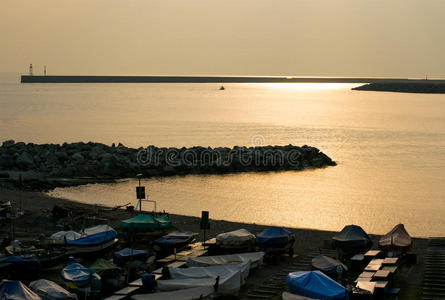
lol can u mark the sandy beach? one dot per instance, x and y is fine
(37, 219)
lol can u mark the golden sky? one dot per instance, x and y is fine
(403, 38)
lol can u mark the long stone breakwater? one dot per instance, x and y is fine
(96, 160)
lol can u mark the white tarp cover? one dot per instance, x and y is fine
(211, 272)
(48, 290)
(229, 283)
(255, 258)
(289, 296)
(70, 235)
(235, 239)
(97, 229)
(186, 294)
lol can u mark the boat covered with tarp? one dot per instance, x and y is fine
(49, 290)
(397, 239)
(328, 265)
(105, 268)
(15, 290)
(125, 255)
(76, 276)
(22, 266)
(204, 292)
(146, 223)
(255, 259)
(93, 239)
(65, 236)
(315, 284)
(275, 239)
(231, 278)
(351, 240)
(236, 239)
(174, 240)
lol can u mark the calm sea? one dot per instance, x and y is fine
(390, 147)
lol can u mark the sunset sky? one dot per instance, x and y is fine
(402, 38)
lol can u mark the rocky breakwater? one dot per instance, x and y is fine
(98, 161)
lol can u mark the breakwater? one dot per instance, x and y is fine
(208, 79)
(425, 86)
(96, 160)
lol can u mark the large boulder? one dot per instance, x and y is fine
(8, 143)
(6, 161)
(24, 161)
(78, 158)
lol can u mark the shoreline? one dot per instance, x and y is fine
(37, 219)
(36, 202)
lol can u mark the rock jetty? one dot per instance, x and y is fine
(96, 160)
(404, 87)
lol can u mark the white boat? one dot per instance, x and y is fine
(255, 258)
(49, 290)
(91, 240)
(230, 278)
(237, 239)
(185, 294)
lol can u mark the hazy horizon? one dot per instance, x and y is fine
(291, 38)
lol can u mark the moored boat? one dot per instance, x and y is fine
(397, 239)
(173, 241)
(276, 240)
(94, 239)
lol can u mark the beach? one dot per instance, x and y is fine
(37, 219)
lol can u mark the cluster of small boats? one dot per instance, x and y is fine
(196, 278)
(325, 281)
(272, 240)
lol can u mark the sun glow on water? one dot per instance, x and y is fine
(307, 86)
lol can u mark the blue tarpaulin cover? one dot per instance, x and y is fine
(80, 277)
(315, 284)
(22, 265)
(274, 237)
(123, 256)
(175, 238)
(15, 290)
(95, 236)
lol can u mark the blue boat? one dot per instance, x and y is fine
(15, 290)
(175, 240)
(78, 277)
(123, 256)
(315, 284)
(93, 239)
(22, 266)
(275, 240)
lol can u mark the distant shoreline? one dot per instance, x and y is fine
(212, 79)
(426, 87)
